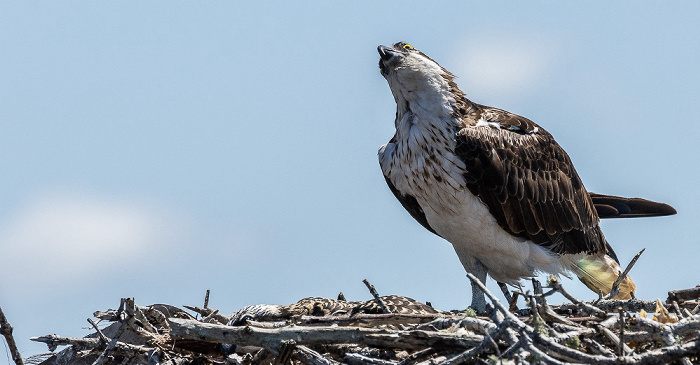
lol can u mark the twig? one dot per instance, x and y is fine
(102, 336)
(376, 296)
(613, 338)
(6, 330)
(632, 305)
(470, 323)
(549, 315)
(211, 317)
(616, 285)
(657, 329)
(128, 305)
(542, 355)
(600, 349)
(474, 351)
(621, 346)
(433, 361)
(206, 299)
(585, 306)
(53, 341)
(285, 352)
(210, 313)
(311, 357)
(141, 317)
(666, 354)
(551, 347)
(354, 358)
(418, 355)
(677, 309)
(537, 290)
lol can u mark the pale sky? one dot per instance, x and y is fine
(156, 149)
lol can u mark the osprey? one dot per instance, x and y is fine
(494, 184)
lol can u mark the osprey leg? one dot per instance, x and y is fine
(478, 296)
(506, 292)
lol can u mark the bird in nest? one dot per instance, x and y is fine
(496, 185)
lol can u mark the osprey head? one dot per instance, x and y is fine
(403, 58)
(415, 77)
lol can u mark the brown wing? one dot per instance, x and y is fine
(609, 206)
(528, 183)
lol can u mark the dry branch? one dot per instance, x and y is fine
(6, 331)
(616, 285)
(273, 338)
(376, 296)
(53, 341)
(576, 332)
(684, 294)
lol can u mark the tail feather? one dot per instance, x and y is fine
(610, 206)
(599, 272)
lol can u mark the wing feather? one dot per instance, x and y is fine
(528, 183)
(609, 206)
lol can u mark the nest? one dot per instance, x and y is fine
(393, 330)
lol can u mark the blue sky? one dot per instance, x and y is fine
(156, 150)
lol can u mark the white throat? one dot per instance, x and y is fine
(422, 91)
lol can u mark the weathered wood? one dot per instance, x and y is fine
(566, 334)
(683, 294)
(210, 313)
(311, 357)
(6, 331)
(376, 296)
(272, 338)
(556, 284)
(53, 341)
(616, 285)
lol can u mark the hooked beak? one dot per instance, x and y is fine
(386, 55)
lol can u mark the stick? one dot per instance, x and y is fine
(658, 330)
(551, 347)
(613, 337)
(271, 338)
(210, 313)
(683, 294)
(53, 341)
(474, 351)
(6, 331)
(285, 352)
(621, 348)
(616, 285)
(102, 336)
(365, 360)
(585, 306)
(127, 322)
(311, 357)
(376, 296)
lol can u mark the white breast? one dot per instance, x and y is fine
(421, 163)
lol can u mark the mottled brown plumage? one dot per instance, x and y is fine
(528, 182)
(316, 306)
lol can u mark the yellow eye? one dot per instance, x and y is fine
(407, 46)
